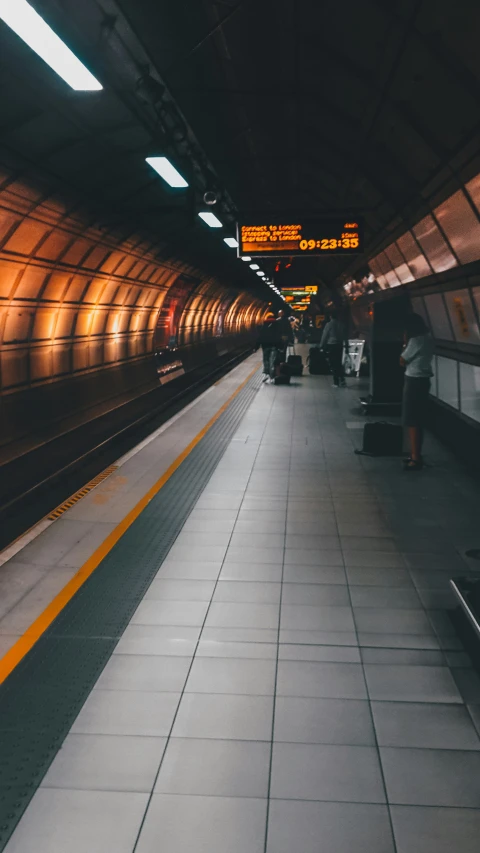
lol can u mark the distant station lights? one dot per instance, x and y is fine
(254, 267)
(210, 219)
(22, 18)
(246, 259)
(231, 242)
(166, 171)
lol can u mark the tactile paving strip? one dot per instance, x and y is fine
(40, 700)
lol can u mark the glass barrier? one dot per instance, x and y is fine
(470, 390)
(475, 291)
(417, 263)
(400, 267)
(418, 306)
(439, 322)
(377, 271)
(434, 245)
(473, 189)
(447, 381)
(462, 316)
(461, 227)
(390, 277)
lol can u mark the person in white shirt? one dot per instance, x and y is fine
(417, 358)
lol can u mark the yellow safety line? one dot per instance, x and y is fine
(23, 645)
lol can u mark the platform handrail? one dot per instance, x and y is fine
(462, 600)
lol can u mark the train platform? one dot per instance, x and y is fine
(239, 642)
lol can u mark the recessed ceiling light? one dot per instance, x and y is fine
(230, 241)
(166, 171)
(260, 273)
(210, 219)
(254, 267)
(22, 18)
(246, 258)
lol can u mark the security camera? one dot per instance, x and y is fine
(210, 198)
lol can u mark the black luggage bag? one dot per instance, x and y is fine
(282, 374)
(317, 362)
(382, 439)
(295, 364)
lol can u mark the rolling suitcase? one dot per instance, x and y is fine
(282, 374)
(295, 363)
(317, 362)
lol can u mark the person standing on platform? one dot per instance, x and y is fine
(417, 357)
(270, 340)
(285, 333)
(333, 340)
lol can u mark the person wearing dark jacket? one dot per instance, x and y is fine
(285, 333)
(285, 327)
(270, 340)
(333, 339)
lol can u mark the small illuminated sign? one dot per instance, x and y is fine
(299, 297)
(322, 236)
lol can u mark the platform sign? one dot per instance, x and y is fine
(330, 235)
(299, 297)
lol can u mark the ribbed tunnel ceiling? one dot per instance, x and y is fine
(89, 148)
(297, 105)
(322, 105)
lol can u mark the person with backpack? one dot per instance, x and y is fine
(417, 358)
(333, 339)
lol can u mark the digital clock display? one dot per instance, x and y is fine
(323, 236)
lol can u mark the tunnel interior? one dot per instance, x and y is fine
(111, 285)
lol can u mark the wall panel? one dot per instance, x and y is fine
(78, 303)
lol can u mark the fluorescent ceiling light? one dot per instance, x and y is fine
(27, 23)
(166, 171)
(254, 267)
(230, 241)
(246, 258)
(260, 273)
(210, 219)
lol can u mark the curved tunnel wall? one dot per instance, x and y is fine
(79, 308)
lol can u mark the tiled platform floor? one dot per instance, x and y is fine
(291, 682)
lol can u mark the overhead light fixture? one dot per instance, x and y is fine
(260, 273)
(254, 267)
(230, 241)
(210, 219)
(246, 258)
(166, 171)
(22, 18)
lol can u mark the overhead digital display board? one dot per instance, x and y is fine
(323, 236)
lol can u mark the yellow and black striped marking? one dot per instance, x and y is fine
(82, 492)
